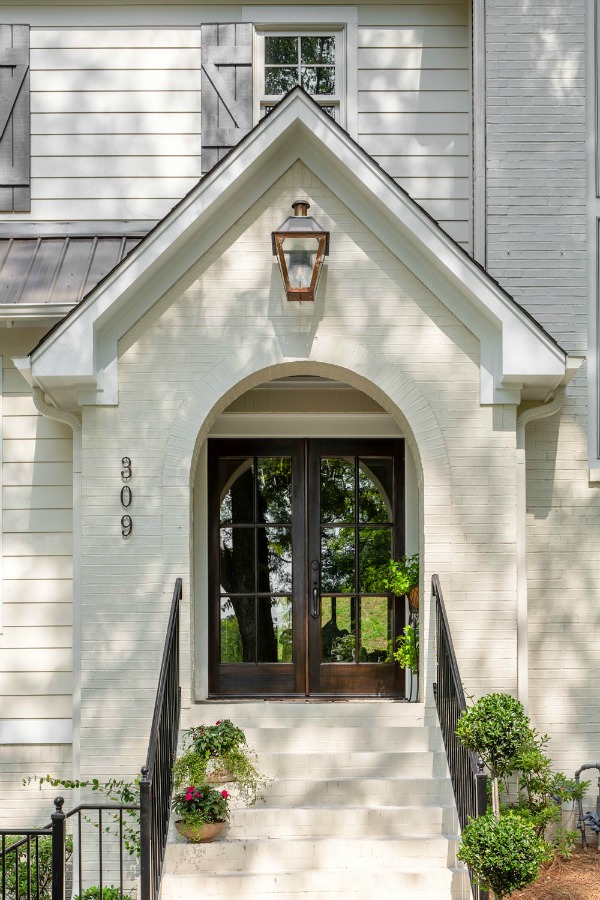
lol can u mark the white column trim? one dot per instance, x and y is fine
(478, 74)
(61, 415)
(530, 415)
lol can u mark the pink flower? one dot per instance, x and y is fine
(197, 794)
(219, 722)
(225, 794)
(188, 796)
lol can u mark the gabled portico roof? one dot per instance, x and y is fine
(77, 362)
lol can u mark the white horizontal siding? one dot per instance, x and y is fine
(37, 523)
(414, 105)
(115, 119)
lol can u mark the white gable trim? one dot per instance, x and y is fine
(78, 363)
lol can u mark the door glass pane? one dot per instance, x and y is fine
(237, 630)
(274, 489)
(337, 560)
(274, 555)
(338, 629)
(375, 553)
(237, 560)
(375, 490)
(375, 629)
(236, 490)
(337, 490)
(274, 629)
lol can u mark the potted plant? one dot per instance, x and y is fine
(219, 754)
(403, 581)
(203, 812)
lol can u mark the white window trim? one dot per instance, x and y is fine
(304, 19)
(337, 100)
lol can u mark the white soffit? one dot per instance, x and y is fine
(77, 361)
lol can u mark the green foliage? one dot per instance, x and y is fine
(532, 793)
(396, 576)
(219, 749)
(108, 893)
(503, 854)
(15, 866)
(496, 729)
(116, 790)
(215, 740)
(563, 842)
(403, 575)
(537, 793)
(407, 654)
(198, 805)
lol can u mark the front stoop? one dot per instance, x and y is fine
(360, 805)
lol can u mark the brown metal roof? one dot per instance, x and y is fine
(57, 269)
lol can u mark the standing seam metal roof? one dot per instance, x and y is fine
(57, 269)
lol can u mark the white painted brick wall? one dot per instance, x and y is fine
(203, 345)
(536, 133)
(27, 805)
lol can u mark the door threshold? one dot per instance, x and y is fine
(323, 698)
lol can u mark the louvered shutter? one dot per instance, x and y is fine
(15, 190)
(226, 89)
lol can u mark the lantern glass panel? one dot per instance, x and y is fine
(300, 257)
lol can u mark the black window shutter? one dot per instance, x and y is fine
(15, 152)
(226, 89)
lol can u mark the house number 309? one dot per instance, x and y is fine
(126, 496)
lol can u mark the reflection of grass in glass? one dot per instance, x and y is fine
(231, 640)
(283, 611)
(374, 623)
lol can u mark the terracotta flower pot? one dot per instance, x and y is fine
(218, 775)
(200, 834)
(413, 599)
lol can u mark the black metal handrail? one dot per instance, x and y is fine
(468, 778)
(157, 775)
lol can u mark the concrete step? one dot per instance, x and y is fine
(370, 792)
(300, 854)
(310, 737)
(351, 764)
(262, 713)
(360, 805)
(387, 884)
(260, 821)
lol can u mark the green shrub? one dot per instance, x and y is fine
(108, 893)
(504, 854)
(407, 654)
(41, 869)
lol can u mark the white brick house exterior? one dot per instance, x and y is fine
(178, 341)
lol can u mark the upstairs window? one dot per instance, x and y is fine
(311, 59)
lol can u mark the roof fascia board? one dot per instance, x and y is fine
(417, 241)
(512, 346)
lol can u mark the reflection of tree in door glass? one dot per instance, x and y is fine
(255, 628)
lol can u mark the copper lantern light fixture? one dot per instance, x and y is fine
(300, 244)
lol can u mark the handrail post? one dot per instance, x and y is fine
(145, 837)
(58, 850)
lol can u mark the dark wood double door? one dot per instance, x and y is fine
(301, 533)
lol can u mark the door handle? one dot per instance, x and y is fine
(315, 606)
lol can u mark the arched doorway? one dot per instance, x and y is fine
(300, 526)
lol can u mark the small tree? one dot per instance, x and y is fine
(496, 729)
(504, 854)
